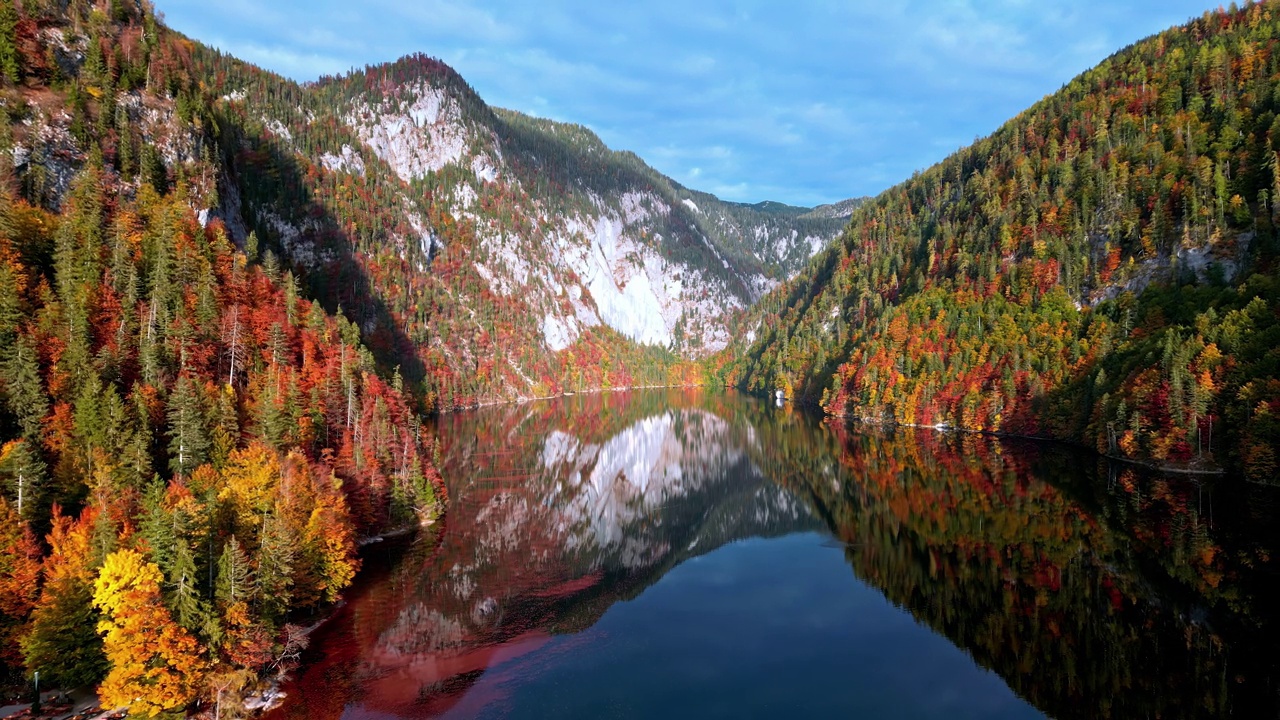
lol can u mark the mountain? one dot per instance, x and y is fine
(190, 444)
(559, 510)
(226, 299)
(1102, 269)
(842, 209)
(517, 256)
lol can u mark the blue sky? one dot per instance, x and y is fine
(801, 102)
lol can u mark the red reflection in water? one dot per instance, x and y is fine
(518, 559)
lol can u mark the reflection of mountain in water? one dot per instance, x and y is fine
(557, 511)
(1092, 595)
(1092, 592)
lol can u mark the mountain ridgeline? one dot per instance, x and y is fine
(227, 299)
(503, 256)
(1101, 269)
(191, 445)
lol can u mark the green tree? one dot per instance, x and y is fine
(26, 397)
(188, 437)
(63, 644)
(235, 576)
(276, 555)
(9, 66)
(24, 475)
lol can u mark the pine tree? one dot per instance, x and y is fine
(157, 527)
(63, 644)
(24, 474)
(188, 437)
(26, 398)
(276, 553)
(9, 67)
(235, 576)
(10, 300)
(189, 607)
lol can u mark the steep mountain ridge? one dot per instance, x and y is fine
(1103, 269)
(190, 445)
(559, 510)
(514, 252)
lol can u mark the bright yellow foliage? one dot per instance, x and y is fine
(249, 484)
(330, 535)
(156, 665)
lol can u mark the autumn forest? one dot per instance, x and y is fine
(231, 306)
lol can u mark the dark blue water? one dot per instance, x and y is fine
(776, 627)
(675, 554)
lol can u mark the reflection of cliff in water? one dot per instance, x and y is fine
(1093, 591)
(557, 510)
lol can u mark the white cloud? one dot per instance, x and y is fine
(755, 99)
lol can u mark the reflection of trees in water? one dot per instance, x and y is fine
(1093, 593)
(557, 511)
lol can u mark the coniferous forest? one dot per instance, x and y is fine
(192, 446)
(1102, 269)
(230, 304)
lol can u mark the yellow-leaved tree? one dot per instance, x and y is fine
(156, 665)
(330, 540)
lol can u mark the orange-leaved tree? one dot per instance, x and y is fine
(19, 581)
(156, 665)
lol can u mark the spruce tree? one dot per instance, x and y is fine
(188, 436)
(235, 577)
(9, 65)
(24, 480)
(64, 644)
(188, 607)
(276, 555)
(26, 397)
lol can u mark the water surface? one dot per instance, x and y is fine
(677, 553)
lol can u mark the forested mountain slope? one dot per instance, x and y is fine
(190, 445)
(513, 256)
(1103, 268)
(225, 298)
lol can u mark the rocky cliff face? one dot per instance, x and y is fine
(541, 238)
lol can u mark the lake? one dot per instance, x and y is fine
(678, 553)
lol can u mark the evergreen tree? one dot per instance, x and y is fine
(9, 66)
(64, 645)
(10, 301)
(188, 436)
(276, 554)
(235, 576)
(25, 477)
(158, 527)
(26, 397)
(185, 600)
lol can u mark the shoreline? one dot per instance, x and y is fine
(271, 695)
(1212, 471)
(525, 399)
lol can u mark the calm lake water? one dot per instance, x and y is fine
(690, 554)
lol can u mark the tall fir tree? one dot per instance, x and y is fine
(188, 434)
(9, 59)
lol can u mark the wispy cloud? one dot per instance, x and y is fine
(806, 102)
